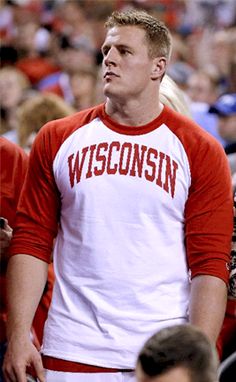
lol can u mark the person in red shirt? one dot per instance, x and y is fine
(13, 166)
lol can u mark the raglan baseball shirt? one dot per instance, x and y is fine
(136, 212)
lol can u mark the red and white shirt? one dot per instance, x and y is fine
(133, 209)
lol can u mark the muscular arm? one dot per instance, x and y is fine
(26, 277)
(207, 304)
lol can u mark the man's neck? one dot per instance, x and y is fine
(132, 113)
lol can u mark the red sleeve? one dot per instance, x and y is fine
(209, 207)
(13, 166)
(209, 210)
(39, 205)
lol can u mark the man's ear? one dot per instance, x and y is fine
(158, 68)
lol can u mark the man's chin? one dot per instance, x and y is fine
(112, 93)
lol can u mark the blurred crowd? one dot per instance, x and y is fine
(53, 47)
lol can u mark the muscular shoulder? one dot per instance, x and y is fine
(199, 145)
(52, 135)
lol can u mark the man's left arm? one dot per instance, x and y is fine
(207, 304)
(208, 234)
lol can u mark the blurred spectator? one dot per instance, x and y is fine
(225, 109)
(179, 68)
(218, 53)
(97, 12)
(14, 87)
(13, 166)
(74, 24)
(212, 13)
(202, 86)
(226, 344)
(232, 69)
(83, 83)
(203, 90)
(36, 112)
(72, 57)
(33, 44)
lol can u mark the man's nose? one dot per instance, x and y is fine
(111, 57)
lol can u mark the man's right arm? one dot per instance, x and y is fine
(26, 278)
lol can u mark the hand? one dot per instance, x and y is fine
(19, 355)
(5, 237)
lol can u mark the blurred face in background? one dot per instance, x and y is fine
(200, 88)
(25, 38)
(11, 91)
(83, 89)
(73, 59)
(221, 51)
(227, 127)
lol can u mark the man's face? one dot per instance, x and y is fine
(177, 374)
(11, 90)
(126, 64)
(200, 89)
(227, 127)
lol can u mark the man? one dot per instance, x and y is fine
(129, 189)
(203, 90)
(225, 109)
(181, 353)
(226, 343)
(13, 167)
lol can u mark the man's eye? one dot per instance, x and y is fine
(104, 52)
(124, 52)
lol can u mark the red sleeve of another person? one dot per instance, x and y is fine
(13, 166)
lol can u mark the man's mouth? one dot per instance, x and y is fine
(110, 74)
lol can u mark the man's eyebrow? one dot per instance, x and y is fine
(124, 46)
(104, 46)
(118, 46)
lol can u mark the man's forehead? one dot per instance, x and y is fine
(177, 374)
(123, 34)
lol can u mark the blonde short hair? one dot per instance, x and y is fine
(157, 34)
